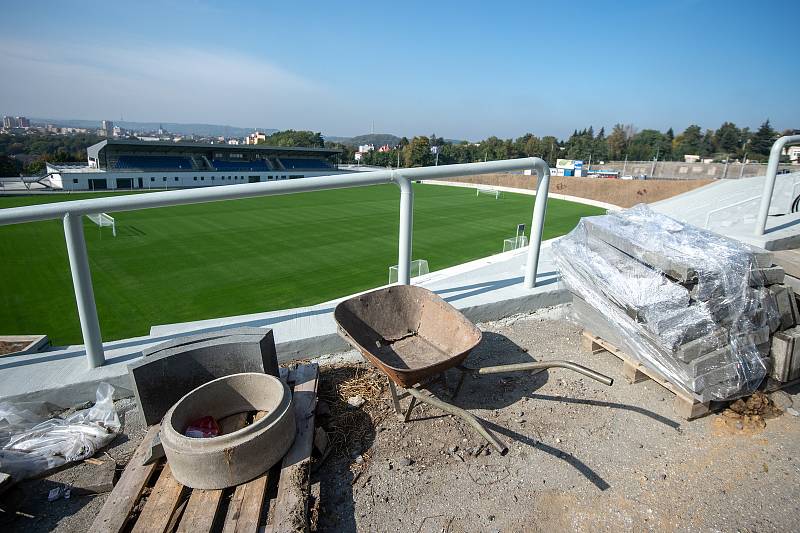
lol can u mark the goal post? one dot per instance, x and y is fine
(488, 191)
(104, 220)
(515, 243)
(418, 268)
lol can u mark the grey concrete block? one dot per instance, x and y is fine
(786, 304)
(709, 362)
(698, 347)
(670, 266)
(781, 353)
(794, 366)
(762, 257)
(766, 276)
(758, 336)
(646, 292)
(682, 326)
(173, 369)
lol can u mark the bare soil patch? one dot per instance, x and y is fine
(624, 193)
(11, 347)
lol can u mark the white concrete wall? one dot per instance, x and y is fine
(79, 181)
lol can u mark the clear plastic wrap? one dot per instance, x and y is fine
(681, 300)
(31, 444)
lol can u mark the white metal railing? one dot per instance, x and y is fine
(71, 213)
(769, 182)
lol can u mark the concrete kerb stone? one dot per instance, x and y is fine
(237, 457)
(170, 370)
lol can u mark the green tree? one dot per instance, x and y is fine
(648, 144)
(292, 138)
(418, 152)
(9, 166)
(617, 143)
(728, 138)
(762, 140)
(688, 142)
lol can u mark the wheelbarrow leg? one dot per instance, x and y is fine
(463, 370)
(468, 417)
(411, 405)
(395, 399)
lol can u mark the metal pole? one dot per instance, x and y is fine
(84, 294)
(769, 181)
(537, 224)
(406, 230)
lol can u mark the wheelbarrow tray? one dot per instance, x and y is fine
(408, 332)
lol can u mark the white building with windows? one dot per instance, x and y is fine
(134, 164)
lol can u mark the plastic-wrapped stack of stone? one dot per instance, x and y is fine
(697, 307)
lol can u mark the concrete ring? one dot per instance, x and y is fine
(237, 457)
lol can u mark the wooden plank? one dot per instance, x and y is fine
(291, 504)
(161, 505)
(685, 404)
(114, 514)
(228, 424)
(245, 510)
(200, 511)
(632, 373)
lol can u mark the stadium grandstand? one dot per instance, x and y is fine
(133, 164)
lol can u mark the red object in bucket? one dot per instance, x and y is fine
(203, 428)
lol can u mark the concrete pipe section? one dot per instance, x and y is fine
(234, 458)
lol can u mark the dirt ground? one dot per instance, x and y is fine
(624, 193)
(582, 456)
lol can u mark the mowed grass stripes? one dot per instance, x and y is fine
(229, 258)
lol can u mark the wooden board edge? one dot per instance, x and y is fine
(120, 502)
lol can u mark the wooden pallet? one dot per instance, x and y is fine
(148, 498)
(685, 404)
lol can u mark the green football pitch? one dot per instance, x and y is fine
(245, 256)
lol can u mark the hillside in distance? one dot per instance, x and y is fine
(378, 139)
(200, 130)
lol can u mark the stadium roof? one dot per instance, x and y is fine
(170, 146)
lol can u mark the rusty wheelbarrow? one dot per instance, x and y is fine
(413, 336)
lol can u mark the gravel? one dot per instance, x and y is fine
(587, 457)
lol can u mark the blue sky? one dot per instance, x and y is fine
(463, 70)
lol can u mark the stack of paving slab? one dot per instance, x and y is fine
(708, 313)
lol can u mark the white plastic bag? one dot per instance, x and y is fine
(31, 445)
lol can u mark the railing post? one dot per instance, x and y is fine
(537, 224)
(769, 181)
(406, 230)
(84, 294)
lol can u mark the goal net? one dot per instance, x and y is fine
(104, 220)
(491, 192)
(515, 243)
(418, 268)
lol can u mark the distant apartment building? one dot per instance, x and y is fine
(255, 138)
(9, 122)
(23, 122)
(794, 154)
(107, 128)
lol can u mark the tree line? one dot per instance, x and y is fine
(27, 153)
(726, 143)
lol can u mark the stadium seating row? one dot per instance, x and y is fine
(257, 165)
(298, 163)
(165, 162)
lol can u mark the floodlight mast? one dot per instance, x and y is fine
(71, 211)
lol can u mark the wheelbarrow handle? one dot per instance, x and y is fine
(538, 365)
